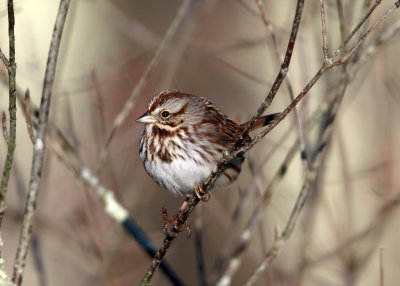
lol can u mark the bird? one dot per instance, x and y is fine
(184, 137)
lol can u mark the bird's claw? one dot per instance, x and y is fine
(173, 225)
(201, 193)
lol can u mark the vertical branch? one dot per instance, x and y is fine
(324, 33)
(381, 268)
(28, 116)
(12, 108)
(4, 126)
(39, 146)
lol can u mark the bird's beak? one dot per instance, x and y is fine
(146, 119)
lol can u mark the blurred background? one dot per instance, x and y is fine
(222, 50)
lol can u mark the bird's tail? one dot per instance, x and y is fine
(262, 121)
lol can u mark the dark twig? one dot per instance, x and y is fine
(4, 126)
(324, 32)
(28, 116)
(198, 240)
(303, 149)
(143, 81)
(12, 108)
(39, 146)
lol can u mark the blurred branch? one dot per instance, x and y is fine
(198, 240)
(4, 127)
(28, 116)
(12, 108)
(39, 146)
(381, 267)
(183, 9)
(228, 155)
(349, 36)
(324, 32)
(374, 227)
(234, 261)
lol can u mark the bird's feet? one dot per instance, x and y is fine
(175, 224)
(201, 193)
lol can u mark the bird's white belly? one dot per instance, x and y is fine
(180, 176)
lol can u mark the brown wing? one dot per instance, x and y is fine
(226, 128)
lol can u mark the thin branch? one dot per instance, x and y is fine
(234, 261)
(381, 267)
(341, 19)
(301, 199)
(324, 32)
(39, 146)
(395, 6)
(198, 240)
(28, 116)
(4, 127)
(12, 108)
(303, 149)
(281, 75)
(349, 36)
(143, 81)
(4, 59)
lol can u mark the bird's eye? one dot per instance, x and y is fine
(165, 114)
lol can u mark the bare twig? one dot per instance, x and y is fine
(349, 36)
(4, 127)
(12, 108)
(303, 149)
(4, 59)
(324, 32)
(28, 116)
(143, 81)
(234, 261)
(341, 19)
(381, 267)
(198, 240)
(39, 146)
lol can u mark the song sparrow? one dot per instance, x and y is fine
(184, 138)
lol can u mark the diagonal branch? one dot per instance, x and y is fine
(39, 146)
(303, 149)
